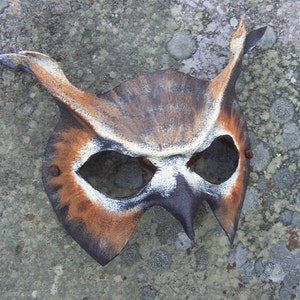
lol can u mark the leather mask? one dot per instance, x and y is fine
(167, 118)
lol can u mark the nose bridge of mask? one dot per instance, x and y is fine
(164, 179)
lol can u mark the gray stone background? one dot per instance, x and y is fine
(99, 44)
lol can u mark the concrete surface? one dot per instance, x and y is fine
(99, 44)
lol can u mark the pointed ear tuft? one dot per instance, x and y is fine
(253, 38)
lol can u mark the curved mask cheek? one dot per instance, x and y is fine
(100, 225)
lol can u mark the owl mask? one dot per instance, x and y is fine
(165, 118)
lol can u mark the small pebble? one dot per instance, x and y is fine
(272, 271)
(167, 232)
(291, 136)
(282, 110)
(262, 183)
(285, 293)
(149, 293)
(286, 217)
(283, 178)
(182, 45)
(26, 108)
(261, 157)
(183, 242)
(247, 271)
(142, 276)
(130, 254)
(159, 260)
(234, 22)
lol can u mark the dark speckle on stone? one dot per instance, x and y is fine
(238, 256)
(247, 268)
(19, 248)
(286, 293)
(159, 260)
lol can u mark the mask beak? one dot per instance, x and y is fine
(182, 203)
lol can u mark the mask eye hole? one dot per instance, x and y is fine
(117, 175)
(218, 162)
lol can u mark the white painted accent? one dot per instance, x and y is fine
(92, 147)
(209, 119)
(163, 181)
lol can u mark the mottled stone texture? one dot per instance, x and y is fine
(100, 44)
